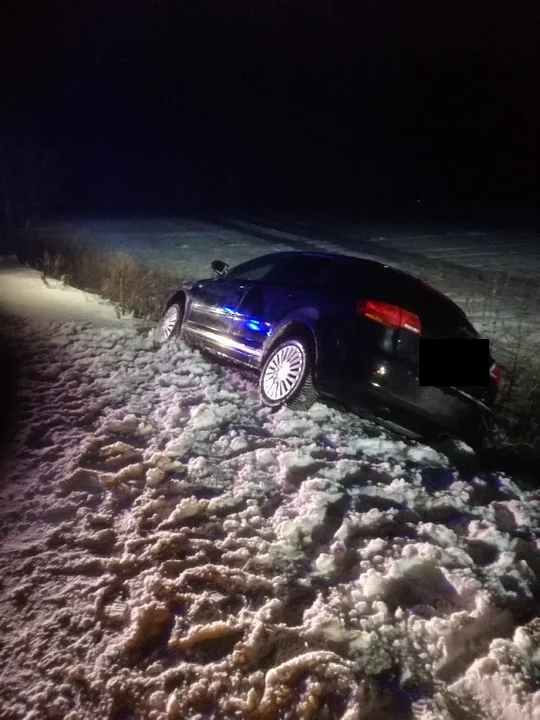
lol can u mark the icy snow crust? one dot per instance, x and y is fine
(172, 549)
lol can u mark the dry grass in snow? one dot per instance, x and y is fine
(131, 286)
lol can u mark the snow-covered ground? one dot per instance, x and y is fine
(497, 250)
(474, 247)
(171, 549)
(515, 252)
(182, 246)
(24, 293)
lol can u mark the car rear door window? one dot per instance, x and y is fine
(257, 269)
(303, 271)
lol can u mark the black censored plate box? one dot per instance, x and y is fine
(456, 363)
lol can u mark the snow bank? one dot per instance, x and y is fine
(171, 549)
(24, 293)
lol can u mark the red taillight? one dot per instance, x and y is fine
(391, 316)
(496, 373)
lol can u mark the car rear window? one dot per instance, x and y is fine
(438, 313)
(257, 269)
(321, 272)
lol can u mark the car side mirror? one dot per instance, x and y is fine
(219, 268)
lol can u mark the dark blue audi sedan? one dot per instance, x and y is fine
(317, 325)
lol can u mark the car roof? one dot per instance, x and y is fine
(353, 259)
(338, 257)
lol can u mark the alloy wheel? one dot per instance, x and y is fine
(284, 372)
(168, 324)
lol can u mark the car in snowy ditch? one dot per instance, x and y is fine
(317, 325)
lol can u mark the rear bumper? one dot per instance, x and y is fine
(390, 392)
(431, 411)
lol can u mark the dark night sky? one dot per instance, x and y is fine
(161, 106)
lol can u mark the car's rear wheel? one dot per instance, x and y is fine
(170, 324)
(287, 377)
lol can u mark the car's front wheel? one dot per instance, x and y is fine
(287, 376)
(170, 324)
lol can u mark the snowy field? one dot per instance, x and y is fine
(514, 252)
(183, 247)
(171, 549)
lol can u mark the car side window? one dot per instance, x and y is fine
(302, 272)
(256, 269)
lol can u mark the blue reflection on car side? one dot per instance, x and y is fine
(250, 323)
(258, 326)
(228, 310)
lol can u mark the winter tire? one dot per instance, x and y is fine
(169, 326)
(286, 377)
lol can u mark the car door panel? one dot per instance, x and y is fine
(258, 311)
(221, 313)
(210, 308)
